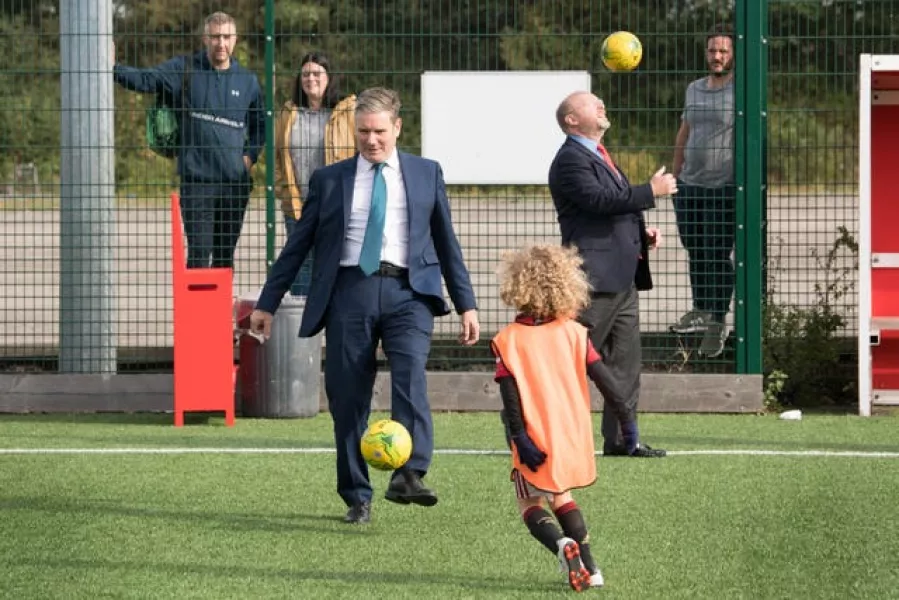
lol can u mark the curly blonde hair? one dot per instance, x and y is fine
(544, 281)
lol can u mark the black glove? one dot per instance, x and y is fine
(528, 453)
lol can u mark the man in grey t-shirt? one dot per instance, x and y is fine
(704, 204)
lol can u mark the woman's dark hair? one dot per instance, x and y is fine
(331, 96)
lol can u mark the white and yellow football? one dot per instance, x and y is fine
(621, 51)
(386, 445)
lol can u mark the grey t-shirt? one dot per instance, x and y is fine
(709, 151)
(307, 145)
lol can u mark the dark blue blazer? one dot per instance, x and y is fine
(602, 216)
(433, 246)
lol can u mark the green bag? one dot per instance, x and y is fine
(164, 122)
(163, 130)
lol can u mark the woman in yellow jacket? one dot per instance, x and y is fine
(316, 127)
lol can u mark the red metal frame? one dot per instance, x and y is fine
(884, 241)
(205, 373)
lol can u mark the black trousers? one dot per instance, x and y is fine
(705, 223)
(614, 322)
(213, 217)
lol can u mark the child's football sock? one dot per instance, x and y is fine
(543, 527)
(572, 521)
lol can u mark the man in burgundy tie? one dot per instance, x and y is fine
(601, 213)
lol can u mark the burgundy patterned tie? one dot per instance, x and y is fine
(606, 157)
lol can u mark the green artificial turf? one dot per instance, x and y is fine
(268, 525)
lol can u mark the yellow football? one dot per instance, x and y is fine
(386, 445)
(621, 51)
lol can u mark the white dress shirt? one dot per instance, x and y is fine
(395, 244)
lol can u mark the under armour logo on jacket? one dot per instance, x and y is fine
(235, 92)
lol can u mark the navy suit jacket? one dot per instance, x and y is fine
(602, 216)
(433, 246)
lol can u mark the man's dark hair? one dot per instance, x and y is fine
(720, 30)
(332, 95)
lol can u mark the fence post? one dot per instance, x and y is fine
(270, 221)
(749, 254)
(87, 342)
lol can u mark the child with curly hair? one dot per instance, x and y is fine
(543, 361)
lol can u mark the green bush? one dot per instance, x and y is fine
(802, 346)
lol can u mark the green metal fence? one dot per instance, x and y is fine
(795, 153)
(812, 170)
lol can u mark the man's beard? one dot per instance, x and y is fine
(604, 124)
(725, 71)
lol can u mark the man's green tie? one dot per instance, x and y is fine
(370, 257)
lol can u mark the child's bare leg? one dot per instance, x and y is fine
(560, 500)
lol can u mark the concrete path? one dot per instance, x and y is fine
(29, 263)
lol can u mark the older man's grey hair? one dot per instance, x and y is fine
(218, 18)
(378, 99)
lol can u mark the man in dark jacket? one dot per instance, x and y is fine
(601, 213)
(222, 118)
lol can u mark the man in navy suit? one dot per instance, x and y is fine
(600, 213)
(380, 228)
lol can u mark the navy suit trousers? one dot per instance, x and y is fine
(364, 311)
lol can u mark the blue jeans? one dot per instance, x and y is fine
(705, 222)
(213, 217)
(300, 286)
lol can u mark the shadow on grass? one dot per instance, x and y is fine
(163, 440)
(286, 522)
(158, 430)
(698, 443)
(365, 580)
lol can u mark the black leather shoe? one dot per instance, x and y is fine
(358, 513)
(648, 452)
(642, 451)
(406, 487)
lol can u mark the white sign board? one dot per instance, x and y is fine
(494, 127)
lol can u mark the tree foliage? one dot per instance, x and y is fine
(813, 54)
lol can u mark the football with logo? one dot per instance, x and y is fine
(386, 445)
(621, 51)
